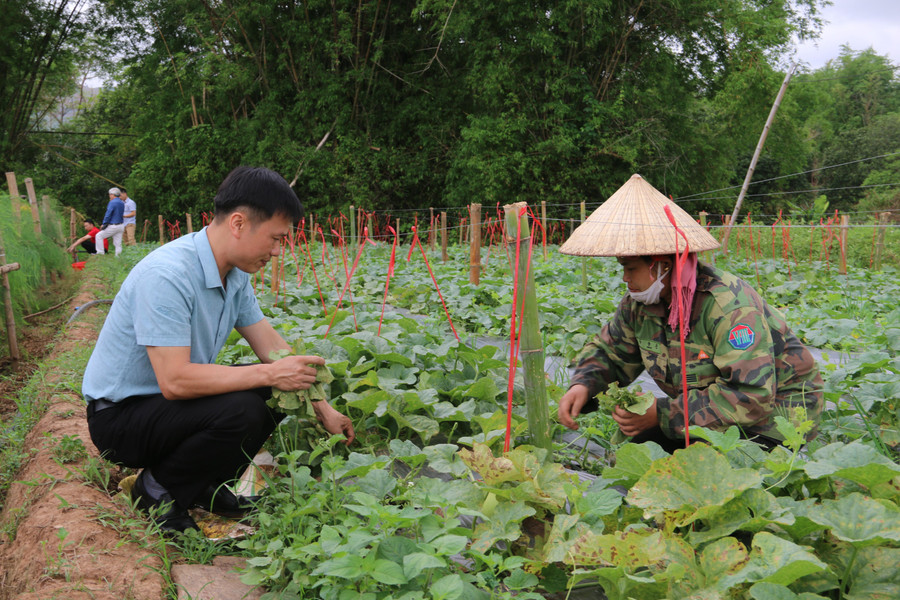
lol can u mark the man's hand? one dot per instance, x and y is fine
(570, 405)
(293, 373)
(333, 421)
(632, 424)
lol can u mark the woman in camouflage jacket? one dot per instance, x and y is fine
(743, 367)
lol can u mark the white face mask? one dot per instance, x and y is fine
(651, 294)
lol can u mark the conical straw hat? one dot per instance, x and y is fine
(633, 222)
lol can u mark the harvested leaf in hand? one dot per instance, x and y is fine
(635, 400)
(297, 402)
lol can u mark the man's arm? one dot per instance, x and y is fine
(83, 238)
(180, 379)
(129, 215)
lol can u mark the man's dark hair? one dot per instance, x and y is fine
(262, 192)
(91, 221)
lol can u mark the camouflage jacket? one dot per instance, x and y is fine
(744, 365)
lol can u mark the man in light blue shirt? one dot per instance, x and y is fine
(129, 218)
(155, 398)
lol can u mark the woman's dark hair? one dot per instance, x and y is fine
(262, 192)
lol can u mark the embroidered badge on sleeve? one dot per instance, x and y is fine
(741, 336)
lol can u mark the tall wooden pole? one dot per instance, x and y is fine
(190, 226)
(583, 259)
(879, 244)
(7, 300)
(444, 256)
(544, 227)
(756, 153)
(32, 200)
(475, 245)
(14, 197)
(845, 226)
(162, 233)
(352, 226)
(531, 347)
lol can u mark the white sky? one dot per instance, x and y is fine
(860, 24)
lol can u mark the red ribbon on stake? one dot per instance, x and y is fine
(362, 249)
(680, 259)
(390, 274)
(415, 243)
(313, 265)
(516, 328)
(343, 248)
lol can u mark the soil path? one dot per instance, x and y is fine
(60, 537)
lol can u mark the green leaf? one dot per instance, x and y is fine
(773, 591)
(776, 560)
(632, 461)
(388, 572)
(694, 481)
(504, 524)
(859, 520)
(449, 587)
(855, 461)
(416, 562)
(379, 483)
(519, 580)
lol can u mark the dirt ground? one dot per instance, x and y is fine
(61, 538)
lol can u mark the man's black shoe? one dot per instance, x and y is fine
(221, 501)
(167, 513)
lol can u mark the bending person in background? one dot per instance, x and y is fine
(156, 399)
(744, 366)
(113, 222)
(88, 241)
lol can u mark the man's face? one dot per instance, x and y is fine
(260, 241)
(636, 273)
(88, 226)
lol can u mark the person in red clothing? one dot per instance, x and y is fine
(89, 241)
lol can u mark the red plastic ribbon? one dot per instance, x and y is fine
(415, 243)
(362, 249)
(390, 273)
(680, 259)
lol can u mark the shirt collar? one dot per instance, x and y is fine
(208, 261)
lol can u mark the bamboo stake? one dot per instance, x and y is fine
(475, 245)
(162, 235)
(531, 348)
(444, 256)
(190, 227)
(845, 226)
(144, 230)
(879, 244)
(352, 226)
(583, 259)
(544, 227)
(14, 197)
(756, 153)
(7, 300)
(73, 231)
(32, 200)
(431, 236)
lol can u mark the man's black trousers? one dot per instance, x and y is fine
(188, 445)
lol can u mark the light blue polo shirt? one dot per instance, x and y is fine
(173, 297)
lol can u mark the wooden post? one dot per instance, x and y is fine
(845, 226)
(583, 259)
(274, 276)
(879, 244)
(144, 230)
(73, 231)
(32, 200)
(190, 226)
(531, 347)
(475, 245)
(369, 224)
(444, 256)
(352, 226)
(544, 227)
(162, 233)
(431, 236)
(703, 215)
(14, 197)
(7, 300)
